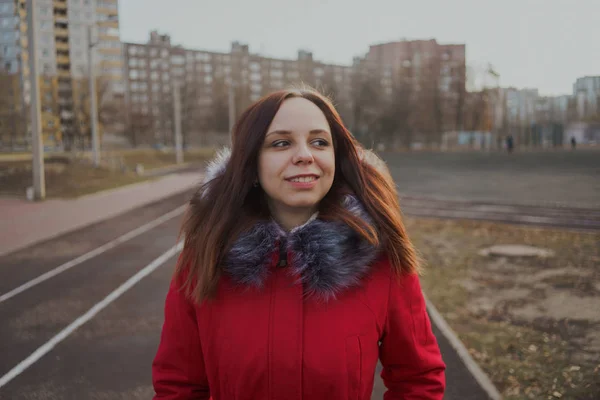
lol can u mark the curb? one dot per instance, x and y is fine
(482, 379)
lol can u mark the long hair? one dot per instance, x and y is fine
(230, 203)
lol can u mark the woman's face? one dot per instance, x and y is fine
(296, 164)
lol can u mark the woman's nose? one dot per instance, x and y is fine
(303, 155)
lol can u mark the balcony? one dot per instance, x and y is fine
(64, 60)
(61, 19)
(60, 5)
(65, 101)
(64, 46)
(64, 73)
(61, 32)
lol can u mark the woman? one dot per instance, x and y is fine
(297, 273)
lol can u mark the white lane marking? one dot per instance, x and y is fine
(110, 245)
(62, 335)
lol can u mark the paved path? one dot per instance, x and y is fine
(23, 223)
(109, 356)
(540, 178)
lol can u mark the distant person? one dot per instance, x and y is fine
(573, 142)
(297, 273)
(509, 143)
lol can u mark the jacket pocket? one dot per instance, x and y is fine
(354, 366)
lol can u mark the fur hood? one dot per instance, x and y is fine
(328, 257)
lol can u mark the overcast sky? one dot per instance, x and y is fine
(544, 44)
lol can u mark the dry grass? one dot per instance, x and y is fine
(531, 323)
(65, 178)
(69, 176)
(152, 159)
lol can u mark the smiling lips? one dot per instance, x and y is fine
(303, 181)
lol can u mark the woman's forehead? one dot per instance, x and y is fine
(299, 115)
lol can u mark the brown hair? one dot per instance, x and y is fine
(230, 203)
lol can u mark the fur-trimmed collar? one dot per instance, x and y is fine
(328, 257)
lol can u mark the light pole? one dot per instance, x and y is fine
(37, 143)
(177, 111)
(93, 96)
(93, 99)
(231, 105)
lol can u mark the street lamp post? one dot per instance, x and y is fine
(231, 104)
(93, 99)
(37, 144)
(93, 96)
(177, 112)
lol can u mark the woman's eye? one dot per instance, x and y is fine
(279, 143)
(321, 142)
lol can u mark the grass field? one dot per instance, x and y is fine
(70, 176)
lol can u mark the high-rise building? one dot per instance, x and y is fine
(63, 28)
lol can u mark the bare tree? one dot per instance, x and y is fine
(110, 110)
(138, 126)
(13, 120)
(366, 106)
(220, 106)
(395, 117)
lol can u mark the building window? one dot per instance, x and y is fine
(178, 60)
(202, 56)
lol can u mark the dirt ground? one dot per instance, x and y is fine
(532, 323)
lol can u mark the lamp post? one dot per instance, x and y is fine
(93, 98)
(231, 104)
(37, 144)
(177, 112)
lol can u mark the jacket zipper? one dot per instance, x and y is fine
(282, 254)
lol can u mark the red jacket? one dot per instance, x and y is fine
(299, 315)
(271, 343)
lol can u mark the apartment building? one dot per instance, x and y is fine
(63, 28)
(210, 83)
(430, 71)
(586, 91)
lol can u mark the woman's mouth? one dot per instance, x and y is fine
(303, 181)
